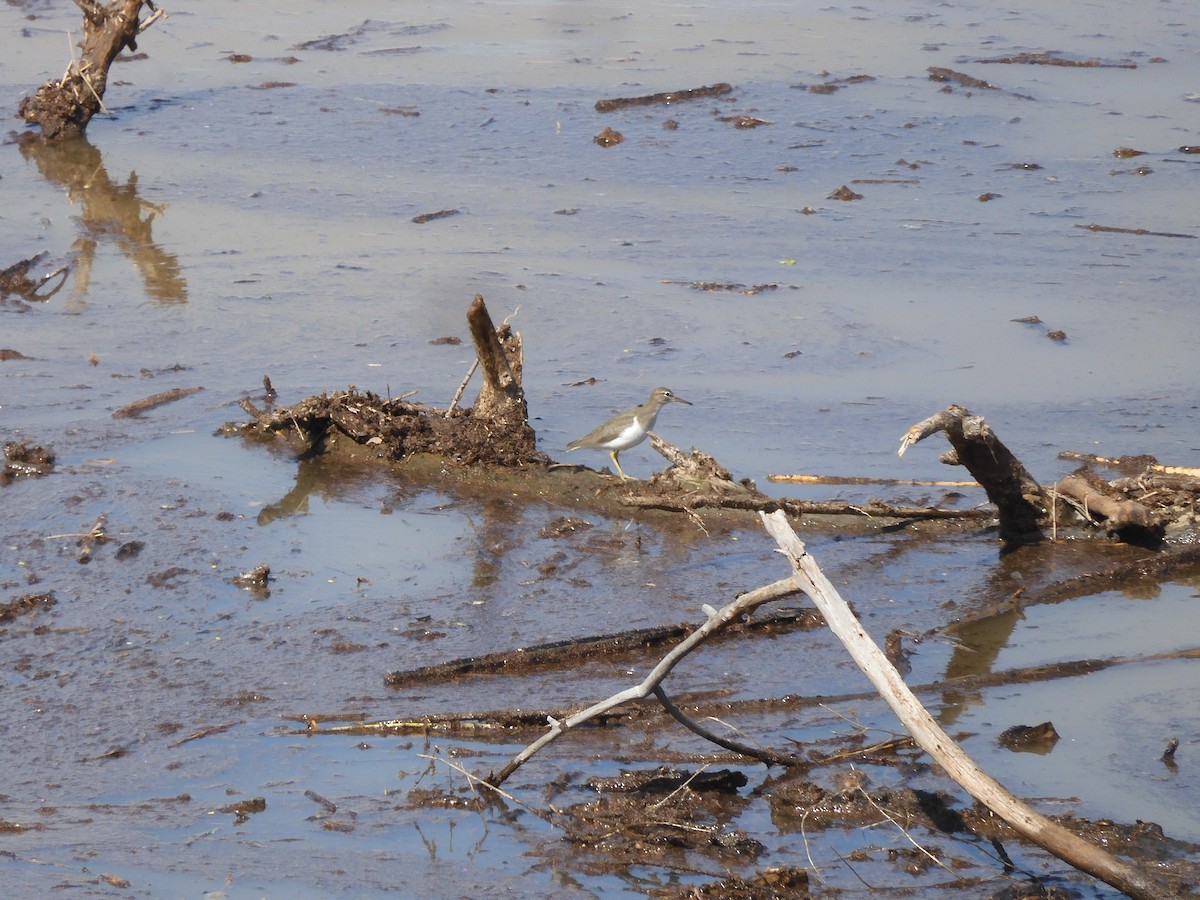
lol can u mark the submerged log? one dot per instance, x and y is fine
(63, 108)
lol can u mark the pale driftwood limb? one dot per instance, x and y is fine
(1031, 825)
(851, 479)
(1017, 495)
(462, 387)
(717, 619)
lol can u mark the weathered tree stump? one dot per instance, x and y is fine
(63, 108)
(1016, 493)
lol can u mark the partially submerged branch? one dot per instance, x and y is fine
(930, 737)
(1138, 509)
(1008, 484)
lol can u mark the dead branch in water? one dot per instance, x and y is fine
(807, 577)
(63, 108)
(1008, 484)
(140, 406)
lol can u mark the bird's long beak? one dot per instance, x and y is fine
(675, 399)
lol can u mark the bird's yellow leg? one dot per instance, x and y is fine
(617, 463)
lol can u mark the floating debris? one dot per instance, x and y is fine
(609, 138)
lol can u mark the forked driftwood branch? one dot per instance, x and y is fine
(1050, 836)
(717, 619)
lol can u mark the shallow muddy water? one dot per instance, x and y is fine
(240, 218)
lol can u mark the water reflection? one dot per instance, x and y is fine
(108, 212)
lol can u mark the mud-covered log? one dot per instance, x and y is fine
(1017, 496)
(1131, 519)
(63, 108)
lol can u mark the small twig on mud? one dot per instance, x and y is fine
(853, 871)
(151, 19)
(904, 831)
(474, 779)
(677, 790)
(96, 534)
(816, 870)
(462, 387)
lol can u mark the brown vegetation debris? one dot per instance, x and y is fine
(608, 138)
(244, 809)
(940, 73)
(776, 881)
(1029, 738)
(666, 779)
(1051, 58)
(844, 193)
(713, 287)
(743, 121)
(25, 460)
(25, 604)
(440, 214)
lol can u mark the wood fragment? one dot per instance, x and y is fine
(1120, 514)
(140, 406)
(572, 652)
(667, 98)
(203, 733)
(1051, 59)
(440, 214)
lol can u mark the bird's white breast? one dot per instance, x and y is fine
(632, 433)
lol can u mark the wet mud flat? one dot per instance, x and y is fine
(237, 669)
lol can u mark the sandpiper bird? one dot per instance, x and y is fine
(627, 429)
